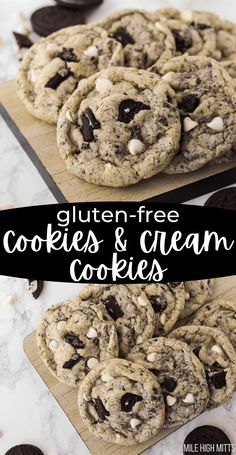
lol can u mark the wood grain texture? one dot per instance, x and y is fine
(42, 139)
(67, 396)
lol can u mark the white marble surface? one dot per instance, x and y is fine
(28, 411)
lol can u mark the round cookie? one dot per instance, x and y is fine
(50, 19)
(121, 127)
(121, 402)
(207, 102)
(197, 293)
(24, 449)
(220, 314)
(204, 436)
(144, 42)
(180, 374)
(73, 337)
(223, 199)
(167, 301)
(131, 311)
(218, 357)
(52, 67)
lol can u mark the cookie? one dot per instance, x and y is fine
(121, 402)
(180, 374)
(220, 314)
(144, 43)
(223, 199)
(197, 293)
(24, 449)
(218, 357)
(121, 127)
(131, 312)
(50, 19)
(207, 102)
(73, 337)
(167, 301)
(193, 37)
(80, 4)
(209, 437)
(52, 68)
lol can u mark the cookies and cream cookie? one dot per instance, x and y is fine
(197, 293)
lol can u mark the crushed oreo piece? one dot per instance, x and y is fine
(183, 43)
(190, 102)
(217, 378)
(101, 410)
(35, 287)
(57, 80)
(122, 36)
(158, 303)
(113, 308)
(89, 124)
(74, 340)
(22, 41)
(128, 400)
(169, 384)
(76, 358)
(197, 350)
(68, 55)
(129, 108)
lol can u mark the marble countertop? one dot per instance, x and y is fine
(29, 414)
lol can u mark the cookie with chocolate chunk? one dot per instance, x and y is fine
(121, 402)
(130, 310)
(180, 374)
(218, 358)
(73, 337)
(55, 66)
(121, 127)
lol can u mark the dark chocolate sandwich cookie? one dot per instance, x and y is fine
(223, 199)
(207, 436)
(81, 4)
(24, 449)
(52, 18)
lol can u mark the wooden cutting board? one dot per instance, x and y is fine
(38, 139)
(67, 396)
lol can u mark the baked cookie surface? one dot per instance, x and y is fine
(121, 127)
(73, 337)
(121, 402)
(197, 293)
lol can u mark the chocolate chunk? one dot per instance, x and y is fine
(183, 43)
(22, 41)
(128, 400)
(207, 437)
(113, 308)
(174, 284)
(200, 26)
(74, 341)
(49, 19)
(101, 410)
(89, 123)
(216, 378)
(35, 287)
(158, 303)
(223, 199)
(129, 108)
(57, 80)
(123, 36)
(190, 102)
(67, 55)
(72, 362)
(197, 350)
(169, 384)
(24, 449)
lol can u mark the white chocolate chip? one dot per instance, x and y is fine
(135, 146)
(92, 51)
(106, 377)
(216, 124)
(61, 325)
(103, 85)
(189, 398)
(8, 300)
(135, 423)
(92, 362)
(92, 333)
(187, 15)
(52, 48)
(189, 124)
(187, 296)
(139, 339)
(163, 319)
(32, 76)
(85, 397)
(70, 117)
(151, 357)
(217, 349)
(82, 83)
(168, 76)
(170, 400)
(142, 301)
(53, 345)
(159, 26)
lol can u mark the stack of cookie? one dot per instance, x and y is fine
(135, 371)
(136, 94)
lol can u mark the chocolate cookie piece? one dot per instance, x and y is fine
(22, 41)
(52, 18)
(121, 402)
(24, 449)
(80, 4)
(208, 436)
(223, 199)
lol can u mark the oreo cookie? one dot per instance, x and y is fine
(223, 199)
(24, 449)
(52, 18)
(207, 439)
(79, 3)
